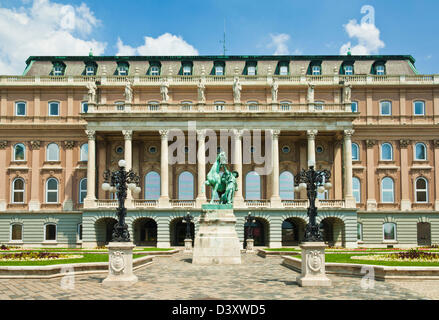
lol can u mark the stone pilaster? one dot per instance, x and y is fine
(311, 135)
(406, 204)
(275, 199)
(436, 174)
(164, 170)
(3, 145)
(237, 161)
(90, 200)
(128, 155)
(371, 203)
(201, 166)
(34, 203)
(68, 190)
(348, 196)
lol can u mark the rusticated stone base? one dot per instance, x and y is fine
(120, 267)
(313, 266)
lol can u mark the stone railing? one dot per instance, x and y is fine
(330, 204)
(176, 80)
(145, 203)
(106, 203)
(257, 203)
(182, 203)
(295, 203)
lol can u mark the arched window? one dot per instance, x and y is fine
(16, 232)
(356, 189)
(120, 105)
(52, 152)
(285, 105)
(389, 231)
(82, 190)
(20, 108)
(418, 108)
(420, 151)
(386, 108)
(19, 152)
(50, 232)
(186, 106)
(387, 190)
(18, 190)
(386, 151)
(220, 105)
(421, 190)
(53, 108)
(252, 186)
(152, 186)
(52, 190)
(355, 152)
(186, 186)
(286, 186)
(84, 152)
(359, 231)
(153, 106)
(319, 105)
(84, 107)
(253, 106)
(354, 106)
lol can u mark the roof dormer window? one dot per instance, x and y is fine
(379, 68)
(348, 69)
(122, 69)
(154, 69)
(187, 69)
(251, 68)
(283, 70)
(58, 69)
(89, 70)
(316, 70)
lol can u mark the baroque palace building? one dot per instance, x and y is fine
(371, 120)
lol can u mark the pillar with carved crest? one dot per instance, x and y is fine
(348, 196)
(164, 170)
(90, 200)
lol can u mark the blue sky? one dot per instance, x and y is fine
(252, 27)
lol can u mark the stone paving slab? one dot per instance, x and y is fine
(177, 278)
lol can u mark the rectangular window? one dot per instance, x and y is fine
(386, 108)
(53, 109)
(17, 232)
(354, 106)
(283, 70)
(122, 71)
(348, 70)
(90, 71)
(155, 71)
(359, 232)
(84, 107)
(187, 70)
(251, 70)
(380, 70)
(419, 108)
(57, 71)
(389, 231)
(219, 70)
(50, 232)
(315, 70)
(20, 109)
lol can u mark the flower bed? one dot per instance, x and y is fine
(36, 256)
(409, 256)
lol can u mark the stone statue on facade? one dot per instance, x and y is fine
(310, 92)
(91, 86)
(128, 93)
(164, 88)
(201, 89)
(237, 90)
(224, 185)
(347, 90)
(274, 91)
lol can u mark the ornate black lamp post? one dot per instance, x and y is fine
(250, 221)
(120, 181)
(188, 219)
(312, 181)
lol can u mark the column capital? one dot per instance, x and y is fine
(275, 133)
(201, 135)
(69, 144)
(237, 133)
(348, 133)
(370, 143)
(91, 134)
(311, 134)
(164, 134)
(127, 134)
(404, 143)
(35, 145)
(3, 144)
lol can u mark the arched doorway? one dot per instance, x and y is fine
(178, 232)
(424, 233)
(260, 232)
(145, 232)
(333, 231)
(104, 230)
(293, 231)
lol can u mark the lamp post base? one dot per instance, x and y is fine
(187, 245)
(250, 245)
(313, 266)
(120, 266)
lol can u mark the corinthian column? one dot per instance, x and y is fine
(201, 165)
(164, 167)
(89, 201)
(311, 134)
(349, 198)
(237, 161)
(275, 200)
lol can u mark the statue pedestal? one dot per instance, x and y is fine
(250, 245)
(313, 266)
(120, 266)
(217, 241)
(187, 245)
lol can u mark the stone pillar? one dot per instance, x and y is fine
(349, 198)
(102, 166)
(436, 175)
(90, 200)
(311, 134)
(34, 203)
(68, 190)
(237, 161)
(3, 197)
(371, 203)
(406, 204)
(120, 269)
(313, 266)
(201, 165)
(275, 200)
(164, 169)
(128, 155)
(302, 164)
(338, 171)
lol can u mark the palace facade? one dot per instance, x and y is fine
(371, 120)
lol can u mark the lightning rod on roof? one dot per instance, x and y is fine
(224, 39)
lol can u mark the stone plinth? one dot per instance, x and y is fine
(217, 241)
(187, 245)
(120, 266)
(250, 245)
(313, 266)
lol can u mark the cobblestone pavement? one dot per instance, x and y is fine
(176, 278)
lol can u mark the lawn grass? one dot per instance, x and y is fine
(86, 259)
(346, 258)
(79, 250)
(354, 250)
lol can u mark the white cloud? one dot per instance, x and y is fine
(279, 42)
(367, 35)
(45, 28)
(166, 44)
